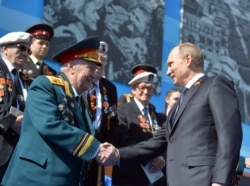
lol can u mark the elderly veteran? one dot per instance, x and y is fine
(57, 138)
(35, 65)
(102, 102)
(14, 51)
(138, 121)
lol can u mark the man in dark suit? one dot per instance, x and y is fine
(35, 65)
(136, 125)
(203, 134)
(102, 107)
(57, 137)
(14, 51)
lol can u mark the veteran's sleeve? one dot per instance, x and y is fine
(53, 115)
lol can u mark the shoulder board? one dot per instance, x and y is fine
(59, 81)
(128, 95)
(56, 80)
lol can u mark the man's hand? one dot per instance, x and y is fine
(108, 155)
(17, 125)
(157, 164)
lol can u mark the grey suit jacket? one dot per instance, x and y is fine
(204, 143)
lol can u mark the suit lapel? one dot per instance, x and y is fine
(188, 97)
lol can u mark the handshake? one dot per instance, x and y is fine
(108, 155)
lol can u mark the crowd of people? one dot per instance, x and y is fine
(67, 127)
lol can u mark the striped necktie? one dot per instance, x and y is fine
(145, 113)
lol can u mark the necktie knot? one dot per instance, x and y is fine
(38, 63)
(183, 93)
(14, 71)
(77, 99)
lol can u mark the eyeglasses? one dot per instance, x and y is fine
(143, 88)
(22, 48)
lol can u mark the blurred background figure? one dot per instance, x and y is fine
(171, 97)
(72, 20)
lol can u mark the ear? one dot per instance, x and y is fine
(133, 88)
(188, 59)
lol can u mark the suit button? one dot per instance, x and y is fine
(170, 140)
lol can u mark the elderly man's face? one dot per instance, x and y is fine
(84, 75)
(17, 54)
(143, 92)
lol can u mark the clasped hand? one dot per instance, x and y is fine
(108, 155)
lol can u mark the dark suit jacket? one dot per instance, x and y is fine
(204, 144)
(132, 131)
(109, 94)
(107, 129)
(55, 139)
(8, 137)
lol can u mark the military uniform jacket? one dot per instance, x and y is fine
(106, 132)
(56, 137)
(8, 138)
(204, 143)
(29, 66)
(133, 130)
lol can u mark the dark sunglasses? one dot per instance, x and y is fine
(22, 48)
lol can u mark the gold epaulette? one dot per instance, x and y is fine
(128, 95)
(59, 81)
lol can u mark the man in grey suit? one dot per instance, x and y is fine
(202, 135)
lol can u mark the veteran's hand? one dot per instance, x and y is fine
(17, 125)
(108, 155)
(157, 164)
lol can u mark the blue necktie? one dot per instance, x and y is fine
(183, 93)
(145, 113)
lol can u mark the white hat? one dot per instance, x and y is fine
(103, 47)
(143, 73)
(146, 77)
(15, 37)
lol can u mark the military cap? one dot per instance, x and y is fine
(41, 31)
(143, 73)
(85, 49)
(15, 37)
(103, 47)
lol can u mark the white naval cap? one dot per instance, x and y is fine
(143, 73)
(15, 37)
(103, 47)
